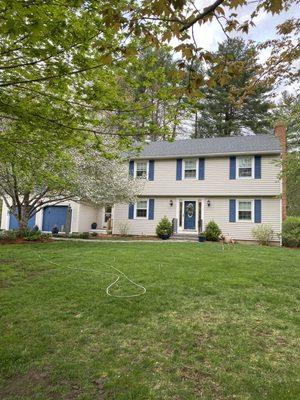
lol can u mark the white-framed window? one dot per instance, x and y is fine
(245, 167)
(245, 210)
(141, 169)
(141, 209)
(190, 168)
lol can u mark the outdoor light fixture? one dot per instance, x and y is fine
(171, 203)
(208, 203)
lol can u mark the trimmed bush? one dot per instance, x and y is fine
(164, 227)
(9, 235)
(212, 231)
(263, 233)
(79, 235)
(30, 235)
(291, 232)
(84, 235)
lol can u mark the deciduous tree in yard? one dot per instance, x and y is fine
(58, 59)
(33, 179)
(64, 80)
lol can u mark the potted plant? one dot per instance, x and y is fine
(202, 237)
(54, 230)
(164, 234)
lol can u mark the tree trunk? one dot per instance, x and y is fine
(23, 217)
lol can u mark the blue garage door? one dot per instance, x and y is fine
(55, 216)
(14, 224)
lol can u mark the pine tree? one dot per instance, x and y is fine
(221, 112)
(287, 110)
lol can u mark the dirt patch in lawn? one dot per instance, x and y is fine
(5, 261)
(34, 382)
(99, 383)
(23, 241)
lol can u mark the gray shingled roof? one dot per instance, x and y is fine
(211, 146)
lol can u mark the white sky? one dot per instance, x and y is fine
(210, 34)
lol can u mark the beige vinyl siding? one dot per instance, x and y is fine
(87, 215)
(219, 212)
(143, 226)
(216, 180)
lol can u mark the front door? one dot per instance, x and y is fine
(107, 215)
(190, 215)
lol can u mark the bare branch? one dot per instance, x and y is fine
(206, 11)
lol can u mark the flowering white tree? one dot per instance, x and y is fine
(30, 180)
(104, 181)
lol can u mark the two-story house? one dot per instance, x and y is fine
(231, 180)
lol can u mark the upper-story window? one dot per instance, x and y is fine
(141, 170)
(245, 167)
(190, 169)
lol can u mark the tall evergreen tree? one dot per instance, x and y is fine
(228, 108)
(288, 111)
(157, 80)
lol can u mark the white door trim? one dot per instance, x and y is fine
(104, 224)
(197, 200)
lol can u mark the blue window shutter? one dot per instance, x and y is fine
(232, 210)
(232, 169)
(257, 211)
(131, 211)
(151, 209)
(131, 168)
(201, 172)
(151, 170)
(257, 167)
(179, 169)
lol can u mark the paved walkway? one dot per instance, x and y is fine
(124, 241)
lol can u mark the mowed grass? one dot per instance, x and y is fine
(213, 324)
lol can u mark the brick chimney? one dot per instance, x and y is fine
(280, 132)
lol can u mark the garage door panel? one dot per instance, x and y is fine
(54, 216)
(14, 224)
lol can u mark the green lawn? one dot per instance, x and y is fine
(213, 324)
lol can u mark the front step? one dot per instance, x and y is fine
(181, 237)
(101, 231)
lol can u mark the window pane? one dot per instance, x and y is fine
(245, 205)
(245, 215)
(245, 162)
(142, 204)
(245, 172)
(190, 174)
(141, 213)
(190, 164)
